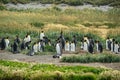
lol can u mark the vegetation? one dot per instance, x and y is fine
(14, 1)
(36, 24)
(53, 20)
(2, 7)
(114, 34)
(110, 75)
(87, 58)
(70, 2)
(98, 24)
(11, 70)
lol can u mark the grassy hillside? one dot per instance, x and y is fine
(53, 20)
(115, 3)
(11, 70)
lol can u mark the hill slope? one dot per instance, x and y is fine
(115, 3)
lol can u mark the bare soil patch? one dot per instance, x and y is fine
(47, 59)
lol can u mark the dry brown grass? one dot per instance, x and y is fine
(54, 21)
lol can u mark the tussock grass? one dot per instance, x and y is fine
(87, 58)
(50, 19)
(69, 16)
(114, 33)
(13, 70)
(110, 75)
(37, 24)
(31, 71)
(35, 20)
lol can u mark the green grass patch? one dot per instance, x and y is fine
(13, 64)
(51, 67)
(38, 24)
(32, 71)
(88, 58)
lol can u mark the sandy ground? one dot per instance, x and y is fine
(47, 59)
